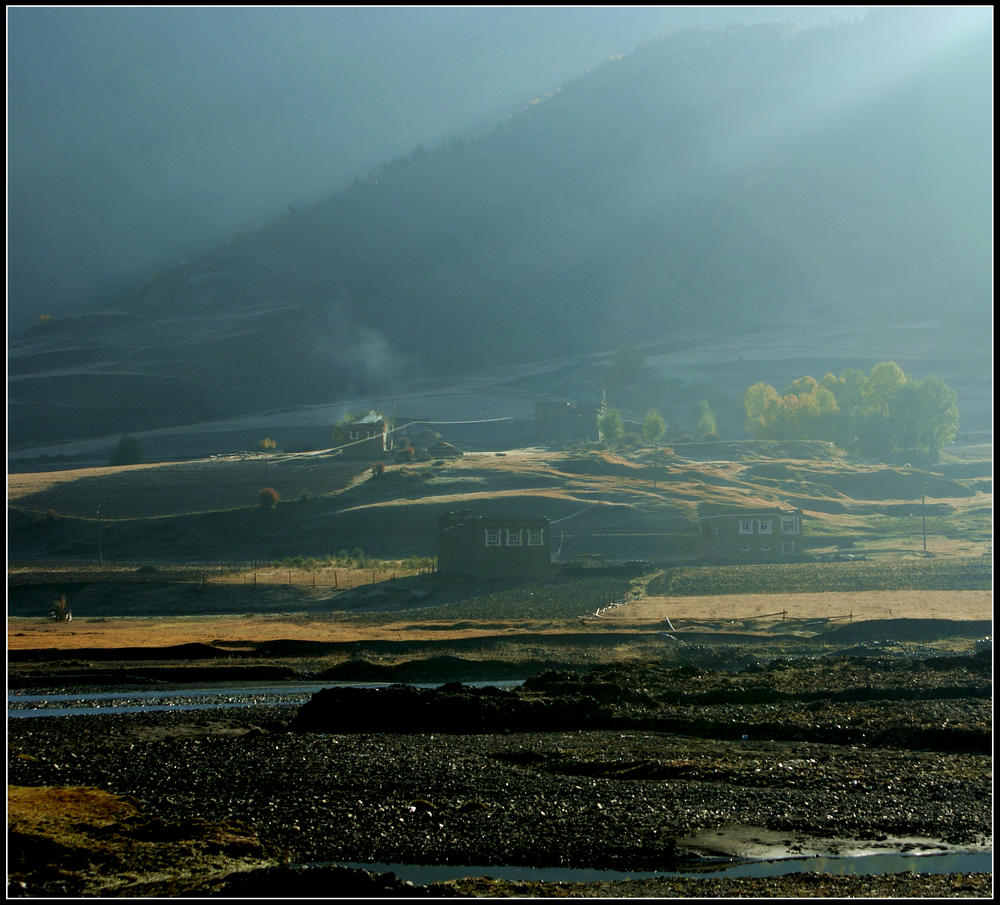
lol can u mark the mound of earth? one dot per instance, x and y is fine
(938, 703)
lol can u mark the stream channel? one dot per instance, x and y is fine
(919, 857)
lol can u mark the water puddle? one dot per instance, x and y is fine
(884, 863)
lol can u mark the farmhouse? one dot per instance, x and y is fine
(365, 436)
(752, 535)
(493, 546)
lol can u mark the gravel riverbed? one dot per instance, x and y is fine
(632, 789)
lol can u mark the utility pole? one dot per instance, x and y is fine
(923, 518)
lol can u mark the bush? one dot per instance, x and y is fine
(268, 498)
(128, 451)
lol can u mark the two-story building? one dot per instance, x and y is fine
(751, 535)
(494, 546)
(366, 437)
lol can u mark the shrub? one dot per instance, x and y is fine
(268, 498)
(378, 469)
(709, 437)
(60, 610)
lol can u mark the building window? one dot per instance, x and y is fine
(492, 538)
(766, 549)
(788, 546)
(514, 537)
(534, 537)
(789, 525)
(744, 548)
(764, 526)
(746, 526)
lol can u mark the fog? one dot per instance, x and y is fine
(140, 136)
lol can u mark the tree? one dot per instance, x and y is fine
(806, 415)
(654, 427)
(883, 414)
(268, 498)
(847, 390)
(927, 417)
(128, 451)
(880, 389)
(267, 443)
(763, 409)
(609, 426)
(706, 420)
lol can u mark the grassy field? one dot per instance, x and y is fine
(753, 613)
(640, 505)
(347, 555)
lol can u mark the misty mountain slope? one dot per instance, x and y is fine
(720, 179)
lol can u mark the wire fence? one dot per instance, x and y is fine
(250, 574)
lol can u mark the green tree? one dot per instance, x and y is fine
(610, 427)
(128, 451)
(847, 390)
(806, 415)
(706, 420)
(926, 418)
(884, 382)
(654, 427)
(763, 411)
(882, 414)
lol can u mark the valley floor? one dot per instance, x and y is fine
(624, 766)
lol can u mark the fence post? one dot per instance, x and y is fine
(783, 612)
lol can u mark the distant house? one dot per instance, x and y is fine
(364, 437)
(493, 546)
(565, 421)
(752, 535)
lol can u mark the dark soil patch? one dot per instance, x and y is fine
(831, 700)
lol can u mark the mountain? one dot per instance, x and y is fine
(718, 181)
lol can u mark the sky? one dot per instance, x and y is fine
(140, 136)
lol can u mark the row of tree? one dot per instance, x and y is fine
(611, 428)
(883, 414)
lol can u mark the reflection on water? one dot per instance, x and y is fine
(952, 863)
(179, 699)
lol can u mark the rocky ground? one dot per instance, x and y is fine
(622, 767)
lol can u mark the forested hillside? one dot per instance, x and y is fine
(712, 180)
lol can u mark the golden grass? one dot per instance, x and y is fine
(863, 605)
(641, 615)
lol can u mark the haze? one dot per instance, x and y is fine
(137, 137)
